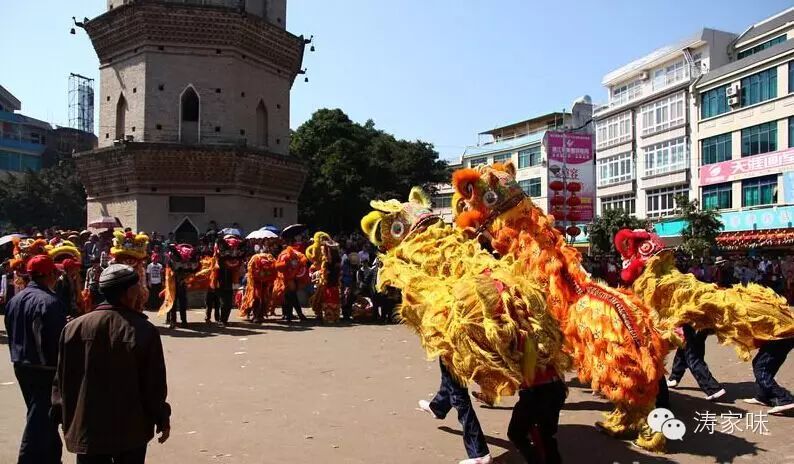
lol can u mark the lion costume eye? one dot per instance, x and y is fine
(397, 229)
(490, 198)
(460, 206)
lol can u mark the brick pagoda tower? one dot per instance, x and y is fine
(194, 115)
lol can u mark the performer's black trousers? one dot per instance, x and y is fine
(453, 395)
(213, 303)
(133, 456)
(291, 302)
(766, 364)
(227, 301)
(180, 304)
(692, 356)
(535, 420)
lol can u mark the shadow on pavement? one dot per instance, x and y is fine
(588, 406)
(234, 329)
(511, 456)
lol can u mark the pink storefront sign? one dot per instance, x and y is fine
(751, 166)
(571, 163)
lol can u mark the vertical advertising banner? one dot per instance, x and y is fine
(572, 188)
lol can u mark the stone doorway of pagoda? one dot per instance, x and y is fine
(186, 232)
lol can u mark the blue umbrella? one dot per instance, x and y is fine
(271, 228)
(231, 231)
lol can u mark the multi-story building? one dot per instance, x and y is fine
(642, 133)
(194, 108)
(442, 197)
(23, 140)
(743, 127)
(522, 142)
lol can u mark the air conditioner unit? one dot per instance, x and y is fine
(731, 91)
(644, 75)
(733, 101)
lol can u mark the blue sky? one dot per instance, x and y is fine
(435, 70)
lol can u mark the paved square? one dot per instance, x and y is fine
(347, 394)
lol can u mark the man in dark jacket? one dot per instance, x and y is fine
(34, 320)
(110, 386)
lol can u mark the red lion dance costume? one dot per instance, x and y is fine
(68, 259)
(261, 277)
(610, 334)
(183, 264)
(326, 274)
(742, 316)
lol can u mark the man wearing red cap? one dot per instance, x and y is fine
(34, 320)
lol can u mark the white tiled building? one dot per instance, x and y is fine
(643, 139)
(743, 124)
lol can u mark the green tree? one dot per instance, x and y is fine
(604, 227)
(703, 226)
(51, 197)
(350, 164)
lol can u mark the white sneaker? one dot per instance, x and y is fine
(716, 395)
(782, 408)
(482, 460)
(755, 401)
(424, 405)
(672, 383)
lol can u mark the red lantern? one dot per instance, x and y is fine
(574, 201)
(558, 200)
(556, 185)
(574, 186)
(573, 216)
(573, 231)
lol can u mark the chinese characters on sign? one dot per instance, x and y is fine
(732, 422)
(751, 166)
(571, 176)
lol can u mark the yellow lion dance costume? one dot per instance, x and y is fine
(131, 249)
(744, 317)
(487, 325)
(610, 334)
(326, 274)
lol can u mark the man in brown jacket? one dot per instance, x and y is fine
(110, 385)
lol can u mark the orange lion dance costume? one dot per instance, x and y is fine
(293, 273)
(131, 249)
(326, 273)
(610, 334)
(24, 249)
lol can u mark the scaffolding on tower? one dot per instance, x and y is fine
(81, 103)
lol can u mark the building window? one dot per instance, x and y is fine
(531, 187)
(121, 117)
(182, 204)
(10, 162)
(661, 201)
(278, 212)
(625, 93)
(666, 157)
(791, 132)
(443, 201)
(759, 191)
(763, 46)
(790, 76)
(759, 87)
(616, 129)
(615, 169)
(190, 109)
(261, 125)
(627, 203)
(717, 196)
(759, 139)
(503, 158)
(716, 149)
(670, 75)
(662, 114)
(713, 102)
(529, 157)
(477, 162)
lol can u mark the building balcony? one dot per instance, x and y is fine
(24, 145)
